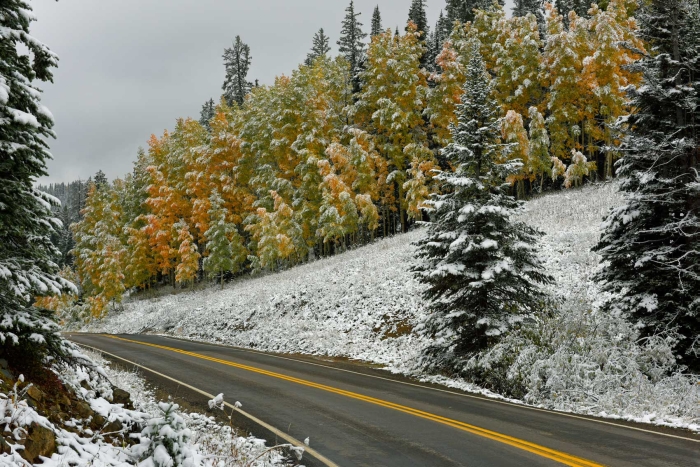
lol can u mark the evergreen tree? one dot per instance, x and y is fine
(478, 263)
(350, 44)
(207, 113)
(376, 22)
(536, 8)
(651, 244)
(27, 256)
(463, 10)
(237, 62)
(320, 47)
(100, 179)
(224, 244)
(416, 15)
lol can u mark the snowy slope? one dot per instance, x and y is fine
(363, 305)
(359, 304)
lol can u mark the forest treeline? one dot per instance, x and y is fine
(347, 149)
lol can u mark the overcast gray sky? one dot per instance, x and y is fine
(129, 68)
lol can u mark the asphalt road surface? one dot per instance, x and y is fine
(356, 416)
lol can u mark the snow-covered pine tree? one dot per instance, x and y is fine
(376, 22)
(651, 244)
(207, 113)
(225, 248)
(417, 15)
(237, 63)
(27, 256)
(350, 44)
(523, 7)
(463, 10)
(478, 263)
(320, 47)
(435, 41)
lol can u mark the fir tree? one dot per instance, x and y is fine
(463, 10)
(417, 16)
(224, 244)
(376, 22)
(100, 179)
(416, 13)
(350, 44)
(535, 7)
(237, 62)
(207, 113)
(27, 256)
(651, 244)
(319, 48)
(478, 263)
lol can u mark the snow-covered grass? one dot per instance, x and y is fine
(201, 440)
(361, 304)
(211, 443)
(364, 305)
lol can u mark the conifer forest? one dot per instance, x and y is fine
(506, 201)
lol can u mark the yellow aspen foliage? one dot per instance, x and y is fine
(558, 168)
(275, 235)
(164, 203)
(226, 171)
(561, 74)
(188, 255)
(606, 71)
(392, 101)
(578, 169)
(447, 93)
(141, 264)
(540, 163)
(518, 146)
(419, 186)
(100, 250)
(517, 64)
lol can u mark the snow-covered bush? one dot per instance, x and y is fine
(165, 441)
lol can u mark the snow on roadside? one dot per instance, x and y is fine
(216, 444)
(364, 303)
(206, 442)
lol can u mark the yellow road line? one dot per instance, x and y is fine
(542, 451)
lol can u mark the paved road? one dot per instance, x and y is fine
(360, 417)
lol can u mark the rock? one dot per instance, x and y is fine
(64, 401)
(98, 421)
(4, 447)
(120, 396)
(83, 409)
(113, 428)
(35, 393)
(40, 442)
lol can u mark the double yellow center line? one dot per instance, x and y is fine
(542, 451)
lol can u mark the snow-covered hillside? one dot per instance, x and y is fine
(364, 304)
(361, 304)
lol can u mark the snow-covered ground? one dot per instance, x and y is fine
(363, 305)
(203, 442)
